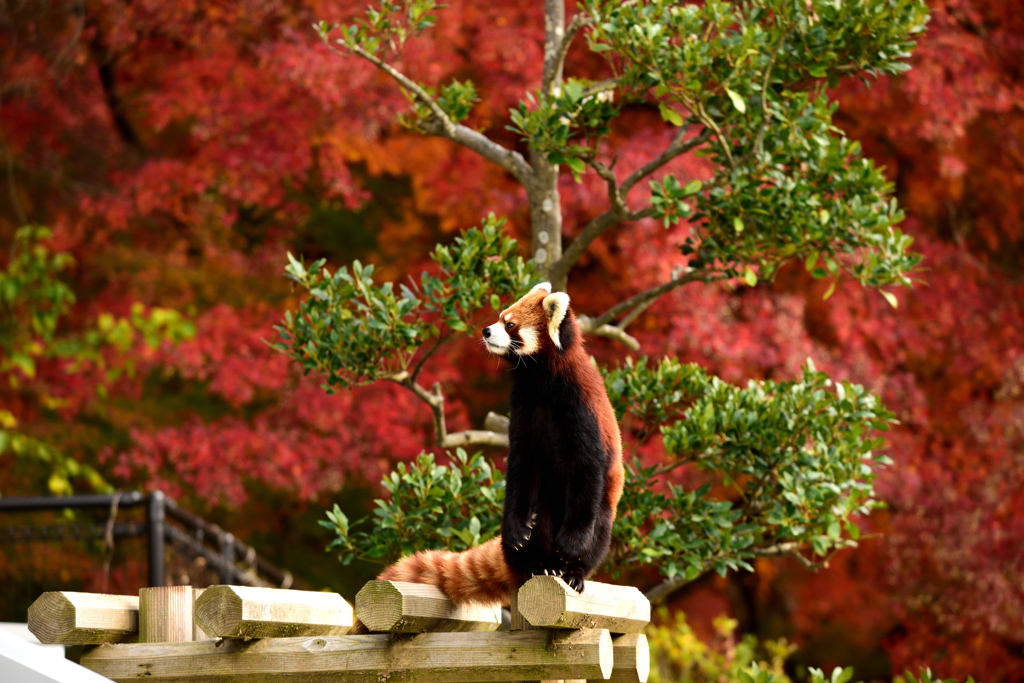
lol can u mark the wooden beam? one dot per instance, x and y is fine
(83, 618)
(548, 602)
(247, 612)
(401, 607)
(401, 658)
(165, 614)
(632, 659)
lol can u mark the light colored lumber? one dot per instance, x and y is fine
(165, 614)
(72, 618)
(548, 602)
(400, 658)
(197, 633)
(248, 612)
(632, 659)
(401, 607)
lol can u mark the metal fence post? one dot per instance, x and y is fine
(155, 518)
(227, 552)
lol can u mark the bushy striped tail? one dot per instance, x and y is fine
(478, 575)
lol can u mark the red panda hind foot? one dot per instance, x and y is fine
(518, 539)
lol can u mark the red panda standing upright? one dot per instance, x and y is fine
(564, 476)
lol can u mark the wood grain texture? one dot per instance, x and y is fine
(69, 618)
(247, 612)
(397, 658)
(165, 614)
(401, 607)
(632, 659)
(546, 601)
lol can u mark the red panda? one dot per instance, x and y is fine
(564, 476)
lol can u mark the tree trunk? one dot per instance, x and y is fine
(545, 203)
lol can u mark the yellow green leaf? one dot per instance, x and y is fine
(737, 101)
(669, 114)
(750, 277)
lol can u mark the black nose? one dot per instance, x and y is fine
(487, 333)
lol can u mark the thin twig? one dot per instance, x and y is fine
(435, 399)
(620, 211)
(442, 126)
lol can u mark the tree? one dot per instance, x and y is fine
(178, 151)
(790, 463)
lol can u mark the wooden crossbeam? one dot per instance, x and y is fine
(422, 658)
(632, 659)
(71, 618)
(400, 607)
(548, 602)
(247, 612)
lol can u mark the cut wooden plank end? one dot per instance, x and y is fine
(70, 618)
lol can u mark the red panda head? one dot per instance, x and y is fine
(530, 325)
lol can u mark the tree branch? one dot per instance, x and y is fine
(790, 549)
(610, 331)
(435, 399)
(575, 25)
(620, 211)
(649, 296)
(600, 87)
(442, 126)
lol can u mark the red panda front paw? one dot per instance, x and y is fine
(517, 539)
(573, 577)
(546, 572)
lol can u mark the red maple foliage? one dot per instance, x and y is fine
(179, 149)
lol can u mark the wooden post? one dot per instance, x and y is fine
(632, 659)
(247, 612)
(401, 607)
(165, 614)
(548, 602)
(422, 658)
(83, 618)
(521, 624)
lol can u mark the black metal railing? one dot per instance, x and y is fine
(165, 523)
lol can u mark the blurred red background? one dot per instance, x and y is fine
(179, 149)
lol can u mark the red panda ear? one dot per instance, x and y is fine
(542, 287)
(556, 305)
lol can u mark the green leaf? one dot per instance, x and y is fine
(890, 297)
(669, 114)
(737, 225)
(737, 101)
(750, 277)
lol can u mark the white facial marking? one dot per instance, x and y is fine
(555, 305)
(499, 341)
(531, 342)
(545, 286)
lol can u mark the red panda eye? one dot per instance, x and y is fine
(509, 325)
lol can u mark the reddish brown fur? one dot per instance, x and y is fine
(478, 575)
(481, 574)
(575, 362)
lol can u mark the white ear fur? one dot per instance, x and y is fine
(544, 286)
(556, 305)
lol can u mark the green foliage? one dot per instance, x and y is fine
(794, 458)
(450, 507)
(355, 332)
(33, 300)
(677, 654)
